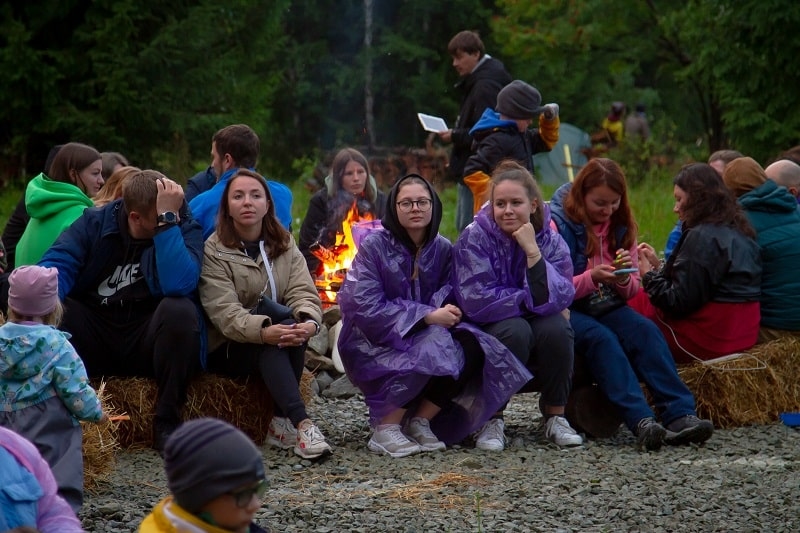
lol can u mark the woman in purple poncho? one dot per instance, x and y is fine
(513, 275)
(427, 377)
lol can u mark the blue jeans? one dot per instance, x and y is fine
(623, 348)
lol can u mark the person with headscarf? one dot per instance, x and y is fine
(429, 378)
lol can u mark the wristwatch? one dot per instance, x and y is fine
(167, 218)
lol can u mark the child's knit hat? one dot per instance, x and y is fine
(205, 458)
(33, 290)
(519, 100)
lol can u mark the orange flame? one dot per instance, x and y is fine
(343, 252)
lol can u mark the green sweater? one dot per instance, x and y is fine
(53, 206)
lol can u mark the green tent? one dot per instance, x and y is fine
(566, 158)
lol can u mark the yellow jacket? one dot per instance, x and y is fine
(169, 517)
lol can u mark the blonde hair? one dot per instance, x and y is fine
(53, 318)
(112, 189)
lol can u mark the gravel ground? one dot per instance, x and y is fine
(742, 480)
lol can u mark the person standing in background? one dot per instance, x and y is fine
(481, 78)
(636, 125)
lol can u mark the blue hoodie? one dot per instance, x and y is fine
(205, 205)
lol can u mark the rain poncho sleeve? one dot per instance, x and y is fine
(384, 318)
(490, 273)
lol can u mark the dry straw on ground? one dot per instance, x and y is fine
(448, 490)
(244, 402)
(751, 389)
(99, 445)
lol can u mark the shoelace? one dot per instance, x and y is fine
(396, 435)
(313, 435)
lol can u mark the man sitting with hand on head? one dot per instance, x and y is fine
(125, 274)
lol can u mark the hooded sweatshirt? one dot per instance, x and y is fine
(53, 207)
(37, 362)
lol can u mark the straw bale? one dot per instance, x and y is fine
(99, 445)
(244, 402)
(751, 389)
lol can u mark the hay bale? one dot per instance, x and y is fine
(751, 389)
(100, 444)
(244, 402)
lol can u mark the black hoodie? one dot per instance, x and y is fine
(392, 223)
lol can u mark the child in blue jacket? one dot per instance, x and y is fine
(44, 389)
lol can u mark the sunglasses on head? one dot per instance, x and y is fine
(243, 496)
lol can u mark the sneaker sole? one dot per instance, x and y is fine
(567, 444)
(490, 446)
(306, 455)
(438, 447)
(376, 447)
(694, 435)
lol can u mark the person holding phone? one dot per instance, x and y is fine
(619, 346)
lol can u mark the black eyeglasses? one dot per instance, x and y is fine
(243, 496)
(407, 205)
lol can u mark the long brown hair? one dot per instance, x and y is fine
(598, 172)
(275, 237)
(72, 157)
(708, 200)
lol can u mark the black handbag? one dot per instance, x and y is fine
(275, 311)
(604, 300)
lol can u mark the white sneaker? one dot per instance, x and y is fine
(310, 441)
(419, 429)
(558, 431)
(491, 437)
(390, 440)
(282, 433)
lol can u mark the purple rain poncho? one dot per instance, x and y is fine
(489, 273)
(390, 353)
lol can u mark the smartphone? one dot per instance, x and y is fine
(623, 271)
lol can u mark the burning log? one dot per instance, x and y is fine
(324, 254)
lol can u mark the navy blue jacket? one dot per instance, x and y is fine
(171, 266)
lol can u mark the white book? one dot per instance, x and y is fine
(431, 123)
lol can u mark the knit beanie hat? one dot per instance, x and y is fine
(205, 458)
(33, 290)
(518, 100)
(742, 175)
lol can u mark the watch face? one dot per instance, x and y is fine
(169, 217)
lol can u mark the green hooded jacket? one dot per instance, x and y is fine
(53, 206)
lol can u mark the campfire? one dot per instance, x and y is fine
(336, 259)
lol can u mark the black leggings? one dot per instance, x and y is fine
(280, 368)
(441, 389)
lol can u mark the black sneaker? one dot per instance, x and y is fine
(688, 430)
(650, 434)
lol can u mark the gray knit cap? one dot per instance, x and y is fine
(518, 100)
(205, 458)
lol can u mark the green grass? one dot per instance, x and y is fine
(651, 201)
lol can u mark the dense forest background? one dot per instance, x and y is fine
(154, 79)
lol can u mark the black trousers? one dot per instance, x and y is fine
(164, 345)
(441, 389)
(280, 368)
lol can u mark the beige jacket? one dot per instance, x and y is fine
(231, 284)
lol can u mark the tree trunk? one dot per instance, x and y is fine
(368, 99)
